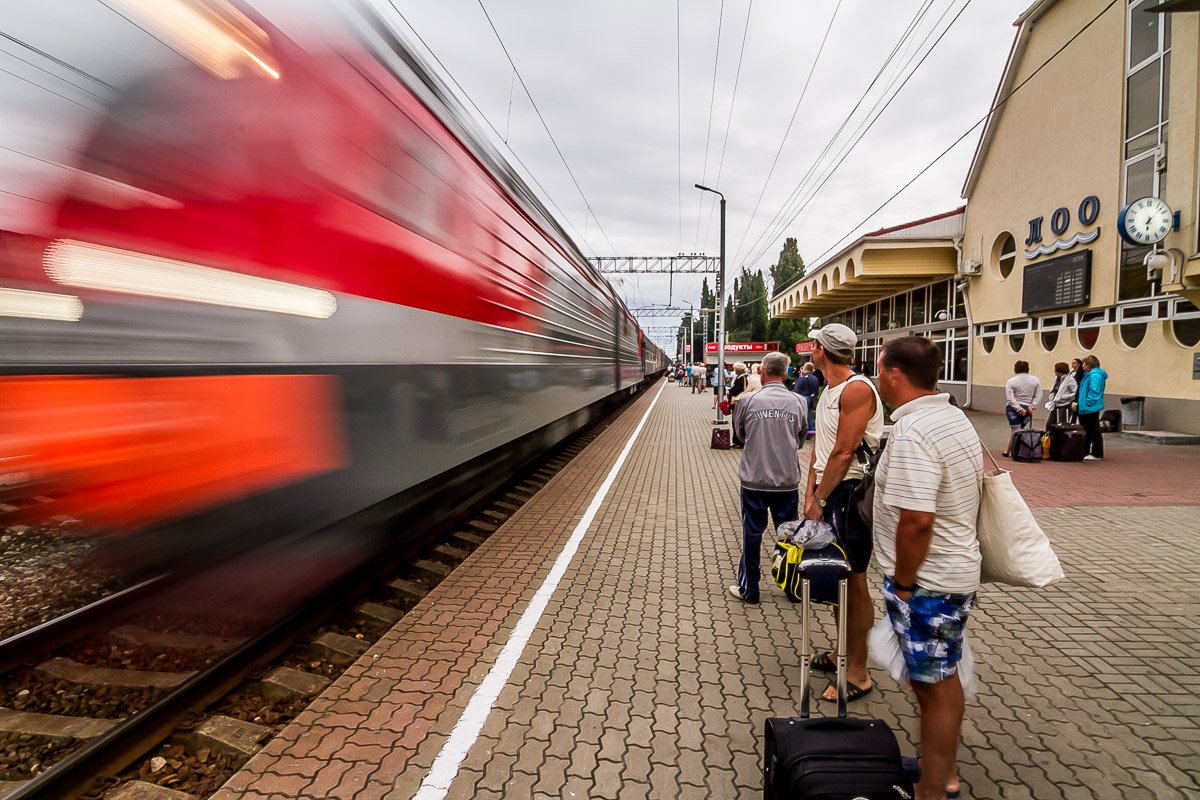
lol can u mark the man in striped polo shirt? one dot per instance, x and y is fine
(927, 490)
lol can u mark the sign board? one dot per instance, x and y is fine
(1060, 282)
(744, 347)
(806, 347)
(1196, 366)
(687, 348)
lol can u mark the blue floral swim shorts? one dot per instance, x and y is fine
(930, 629)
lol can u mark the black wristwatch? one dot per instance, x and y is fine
(899, 587)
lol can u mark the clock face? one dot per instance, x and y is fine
(1146, 221)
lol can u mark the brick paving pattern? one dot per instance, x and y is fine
(645, 679)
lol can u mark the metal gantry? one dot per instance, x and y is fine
(684, 263)
(660, 311)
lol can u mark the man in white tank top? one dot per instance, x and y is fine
(849, 412)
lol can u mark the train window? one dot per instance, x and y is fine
(416, 177)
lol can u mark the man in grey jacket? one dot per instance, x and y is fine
(773, 423)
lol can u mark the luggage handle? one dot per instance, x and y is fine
(806, 650)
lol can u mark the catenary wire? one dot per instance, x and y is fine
(861, 131)
(708, 131)
(783, 141)
(999, 103)
(484, 117)
(58, 61)
(553, 141)
(728, 122)
(771, 230)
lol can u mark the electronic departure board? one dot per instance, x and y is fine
(1059, 282)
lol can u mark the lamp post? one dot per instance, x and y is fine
(720, 331)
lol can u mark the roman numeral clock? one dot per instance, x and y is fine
(1146, 221)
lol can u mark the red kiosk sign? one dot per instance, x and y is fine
(744, 347)
(806, 347)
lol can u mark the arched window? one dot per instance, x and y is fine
(1004, 255)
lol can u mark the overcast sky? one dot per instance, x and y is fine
(638, 118)
(604, 75)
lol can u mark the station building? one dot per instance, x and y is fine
(1034, 268)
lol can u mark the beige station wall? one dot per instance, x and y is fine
(1060, 139)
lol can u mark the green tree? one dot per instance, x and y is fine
(708, 299)
(787, 331)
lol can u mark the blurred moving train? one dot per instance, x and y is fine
(280, 285)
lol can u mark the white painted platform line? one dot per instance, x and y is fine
(466, 731)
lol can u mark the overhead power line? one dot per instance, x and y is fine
(538, 111)
(872, 117)
(549, 198)
(708, 131)
(770, 232)
(791, 122)
(999, 103)
(712, 206)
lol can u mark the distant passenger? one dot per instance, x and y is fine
(1022, 393)
(699, 373)
(737, 387)
(771, 422)
(1061, 396)
(1091, 403)
(808, 386)
(754, 378)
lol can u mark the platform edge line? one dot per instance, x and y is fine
(466, 731)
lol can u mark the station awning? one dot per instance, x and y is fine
(878, 265)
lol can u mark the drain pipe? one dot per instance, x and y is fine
(962, 282)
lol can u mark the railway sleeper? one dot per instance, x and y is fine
(474, 540)
(285, 683)
(143, 637)
(436, 570)
(336, 648)
(57, 726)
(141, 790)
(73, 671)
(408, 591)
(451, 552)
(228, 735)
(377, 612)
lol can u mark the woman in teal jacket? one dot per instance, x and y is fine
(1091, 403)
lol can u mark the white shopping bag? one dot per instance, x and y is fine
(884, 649)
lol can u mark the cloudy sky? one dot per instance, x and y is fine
(640, 120)
(640, 98)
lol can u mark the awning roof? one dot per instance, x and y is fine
(878, 265)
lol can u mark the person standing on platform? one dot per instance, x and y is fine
(754, 378)
(927, 491)
(1061, 396)
(699, 373)
(1077, 374)
(808, 386)
(1022, 392)
(849, 413)
(1091, 403)
(771, 422)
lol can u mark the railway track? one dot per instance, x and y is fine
(141, 687)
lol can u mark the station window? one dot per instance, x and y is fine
(1087, 337)
(1016, 341)
(1132, 334)
(939, 302)
(1186, 331)
(918, 308)
(1004, 254)
(900, 317)
(988, 343)
(1049, 340)
(1147, 103)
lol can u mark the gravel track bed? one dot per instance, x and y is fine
(28, 690)
(173, 766)
(46, 572)
(23, 756)
(203, 624)
(248, 705)
(107, 654)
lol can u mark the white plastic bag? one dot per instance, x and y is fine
(811, 534)
(884, 650)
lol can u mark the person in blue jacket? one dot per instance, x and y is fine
(1091, 403)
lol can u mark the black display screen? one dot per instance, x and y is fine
(1059, 282)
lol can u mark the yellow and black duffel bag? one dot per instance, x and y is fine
(824, 567)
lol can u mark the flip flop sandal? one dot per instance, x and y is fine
(912, 768)
(823, 662)
(853, 692)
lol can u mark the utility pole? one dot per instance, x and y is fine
(720, 332)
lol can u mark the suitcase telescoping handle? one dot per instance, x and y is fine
(806, 647)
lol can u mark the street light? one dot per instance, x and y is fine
(720, 332)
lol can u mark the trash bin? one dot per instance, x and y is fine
(1132, 411)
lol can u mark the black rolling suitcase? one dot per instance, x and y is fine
(1067, 443)
(830, 758)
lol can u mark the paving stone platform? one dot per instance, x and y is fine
(645, 679)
